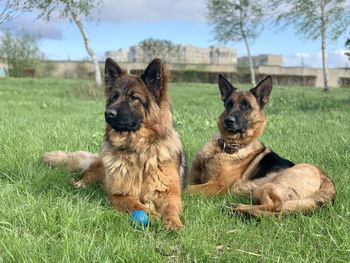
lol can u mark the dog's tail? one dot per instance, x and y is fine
(73, 161)
(326, 194)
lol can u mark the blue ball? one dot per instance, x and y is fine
(140, 217)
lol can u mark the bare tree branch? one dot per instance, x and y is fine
(67, 9)
(237, 20)
(316, 19)
(7, 10)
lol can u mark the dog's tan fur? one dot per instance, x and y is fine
(139, 169)
(302, 187)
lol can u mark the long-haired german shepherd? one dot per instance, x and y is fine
(141, 161)
(236, 161)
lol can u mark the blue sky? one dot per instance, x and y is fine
(119, 24)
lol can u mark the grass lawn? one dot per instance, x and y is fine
(44, 219)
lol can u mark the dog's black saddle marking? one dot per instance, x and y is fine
(271, 162)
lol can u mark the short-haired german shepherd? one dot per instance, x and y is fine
(236, 161)
(141, 161)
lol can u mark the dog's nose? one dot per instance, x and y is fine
(110, 113)
(230, 121)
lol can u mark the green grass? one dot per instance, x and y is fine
(44, 219)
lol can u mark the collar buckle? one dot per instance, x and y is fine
(229, 148)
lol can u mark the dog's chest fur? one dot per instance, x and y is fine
(137, 172)
(229, 167)
(250, 166)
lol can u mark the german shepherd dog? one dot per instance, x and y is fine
(236, 161)
(141, 162)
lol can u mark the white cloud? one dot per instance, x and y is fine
(152, 11)
(116, 11)
(29, 23)
(336, 59)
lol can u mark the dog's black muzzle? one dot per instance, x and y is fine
(122, 122)
(232, 125)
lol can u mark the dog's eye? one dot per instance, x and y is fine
(244, 105)
(115, 97)
(134, 97)
(229, 104)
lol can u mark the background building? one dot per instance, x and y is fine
(222, 55)
(121, 55)
(194, 55)
(185, 54)
(262, 60)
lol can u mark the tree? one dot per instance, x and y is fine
(237, 20)
(347, 45)
(74, 10)
(316, 19)
(7, 10)
(158, 48)
(21, 52)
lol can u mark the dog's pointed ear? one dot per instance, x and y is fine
(225, 87)
(112, 72)
(262, 91)
(155, 77)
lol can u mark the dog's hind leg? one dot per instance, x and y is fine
(271, 203)
(268, 198)
(294, 202)
(284, 208)
(324, 195)
(88, 163)
(300, 205)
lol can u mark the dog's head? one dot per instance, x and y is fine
(243, 119)
(131, 99)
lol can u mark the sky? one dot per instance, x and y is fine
(120, 24)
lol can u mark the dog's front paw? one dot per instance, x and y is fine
(234, 206)
(240, 210)
(232, 209)
(172, 223)
(154, 215)
(79, 184)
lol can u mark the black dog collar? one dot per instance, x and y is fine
(229, 148)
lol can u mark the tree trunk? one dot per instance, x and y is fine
(251, 67)
(324, 63)
(324, 49)
(77, 21)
